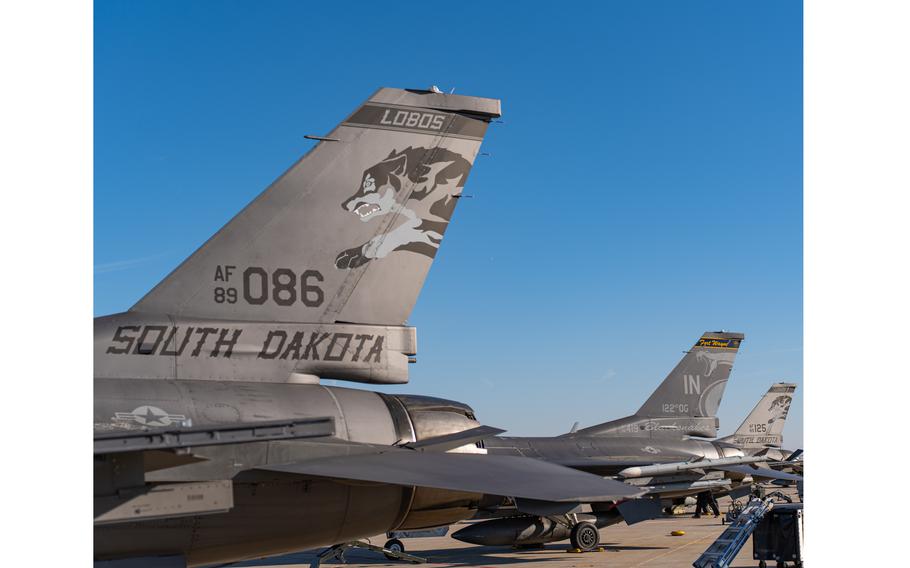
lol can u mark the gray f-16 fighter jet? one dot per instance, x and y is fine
(214, 441)
(657, 448)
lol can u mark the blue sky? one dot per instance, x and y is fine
(646, 184)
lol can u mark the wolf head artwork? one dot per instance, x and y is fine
(412, 192)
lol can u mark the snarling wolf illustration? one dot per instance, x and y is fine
(419, 174)
(779, 408)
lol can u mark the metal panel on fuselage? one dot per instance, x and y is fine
(360, 416)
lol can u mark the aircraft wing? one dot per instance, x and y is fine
(509, 476)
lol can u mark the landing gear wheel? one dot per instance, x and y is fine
(394, 545)
(584, 536)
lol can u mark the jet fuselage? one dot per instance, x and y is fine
(275, 512)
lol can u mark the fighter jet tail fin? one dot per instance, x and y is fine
(349, 232)
(696, 385)
(764, 426)
(686, 402)
(794, 456)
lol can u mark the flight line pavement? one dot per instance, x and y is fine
(645, 544)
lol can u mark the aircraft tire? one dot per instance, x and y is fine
(584, 536)
(394, 545)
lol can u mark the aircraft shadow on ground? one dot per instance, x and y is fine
(618, 547)
(468, 556)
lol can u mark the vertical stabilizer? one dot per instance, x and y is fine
(318, 275)
(686, 402)
(696, 385)
(349, 232)
(764, 426)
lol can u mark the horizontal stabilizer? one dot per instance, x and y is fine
(456, 440)
(509, 476)
(762, 472)
(638, 510)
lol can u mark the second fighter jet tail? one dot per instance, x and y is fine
(686, 401)
(764, 426)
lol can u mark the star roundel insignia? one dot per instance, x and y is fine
(148, 415)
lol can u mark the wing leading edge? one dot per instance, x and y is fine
(509, 476)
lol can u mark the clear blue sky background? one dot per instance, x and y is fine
(646, 185)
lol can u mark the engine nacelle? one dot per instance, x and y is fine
(429, 417)
(419, 418)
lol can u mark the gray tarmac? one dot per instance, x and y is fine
(645, 544)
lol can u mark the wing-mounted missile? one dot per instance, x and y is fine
(686, 488)
(677, 467)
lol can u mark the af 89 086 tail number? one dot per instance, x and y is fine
(257, 286)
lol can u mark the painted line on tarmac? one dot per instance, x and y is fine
(673, 550)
